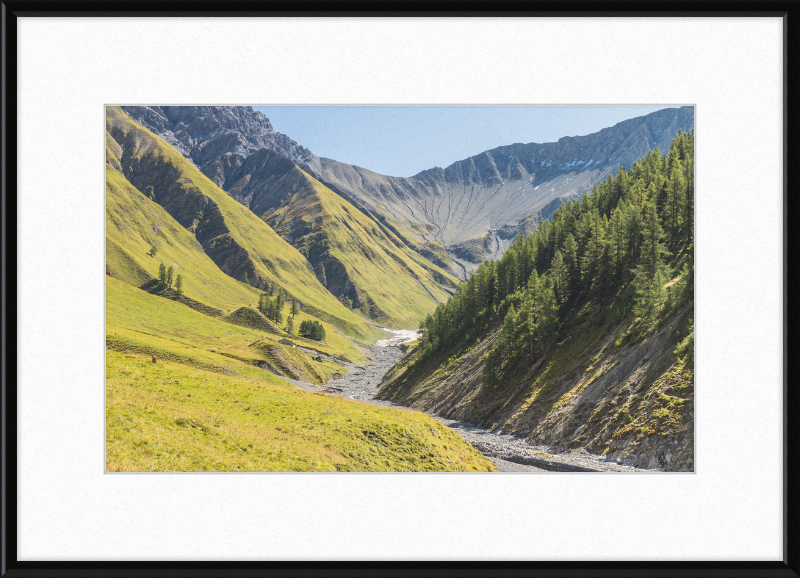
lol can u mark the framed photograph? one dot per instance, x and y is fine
(346, 292)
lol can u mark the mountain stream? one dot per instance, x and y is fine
(508, 453)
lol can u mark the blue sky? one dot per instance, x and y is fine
(401, 141)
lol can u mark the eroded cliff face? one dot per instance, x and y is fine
(631, 402)
(499, 190)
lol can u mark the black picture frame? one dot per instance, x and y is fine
(12, 567)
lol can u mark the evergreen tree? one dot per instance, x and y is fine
(162, 274)
(531, 305)
(245, 279)
(653, 250)
(650, 301)
(506, 337)
(558, 273)
(294, 306)
(179, 285)
(676, 201)
(573, 271)
(170, 272)
(601, 283)
(548, 318)
(153, 250)
(289, 326)
(589, 247)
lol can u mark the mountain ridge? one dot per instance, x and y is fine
(442, 213)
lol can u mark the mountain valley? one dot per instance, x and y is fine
(529, 308)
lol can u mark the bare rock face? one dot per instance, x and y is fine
(203, 133)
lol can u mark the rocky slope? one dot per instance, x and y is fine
(202, 133)
(495, 194)
(630, 403)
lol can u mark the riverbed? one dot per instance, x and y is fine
(508, 453)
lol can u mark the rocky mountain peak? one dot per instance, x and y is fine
(203, 133)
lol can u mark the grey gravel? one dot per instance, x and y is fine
(508, 452)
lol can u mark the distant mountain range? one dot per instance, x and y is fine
(455, 217)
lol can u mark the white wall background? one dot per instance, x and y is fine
(729, 509)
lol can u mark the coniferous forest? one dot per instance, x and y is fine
(581, 336)
(541, 293)
(632, 234)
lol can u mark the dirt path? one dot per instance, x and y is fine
(508, 453)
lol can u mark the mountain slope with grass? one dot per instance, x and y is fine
(190, 392)
(355, 256)
(582, 335)
(237, 242)
(196, 376)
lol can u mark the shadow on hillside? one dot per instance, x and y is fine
(156, 287)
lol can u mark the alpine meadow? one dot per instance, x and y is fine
(526, 309)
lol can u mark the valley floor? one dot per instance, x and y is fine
(507, 452)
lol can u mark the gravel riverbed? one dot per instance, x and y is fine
(507, 452)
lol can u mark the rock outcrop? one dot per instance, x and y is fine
(203, 133)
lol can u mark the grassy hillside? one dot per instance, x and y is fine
(143, 170)
(171, 416)
(354, 255)
(388, 283)
(165, 328)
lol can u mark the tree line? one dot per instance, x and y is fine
(630, 231)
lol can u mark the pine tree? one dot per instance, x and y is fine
(289, 326)
(548, 318)
(676, 200)
(633, 234)
(573, 271)
(245, 279)
(506, 338)
(601, 283)
(688, 216)
(153, 250)
(653, 250)
(269, 307)
(179, 285)
(162, 274)
(294, 306)
(650, 301)
(558, 273)
(531, 307)
(169, 275)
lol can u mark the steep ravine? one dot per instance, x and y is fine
(508, 452)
